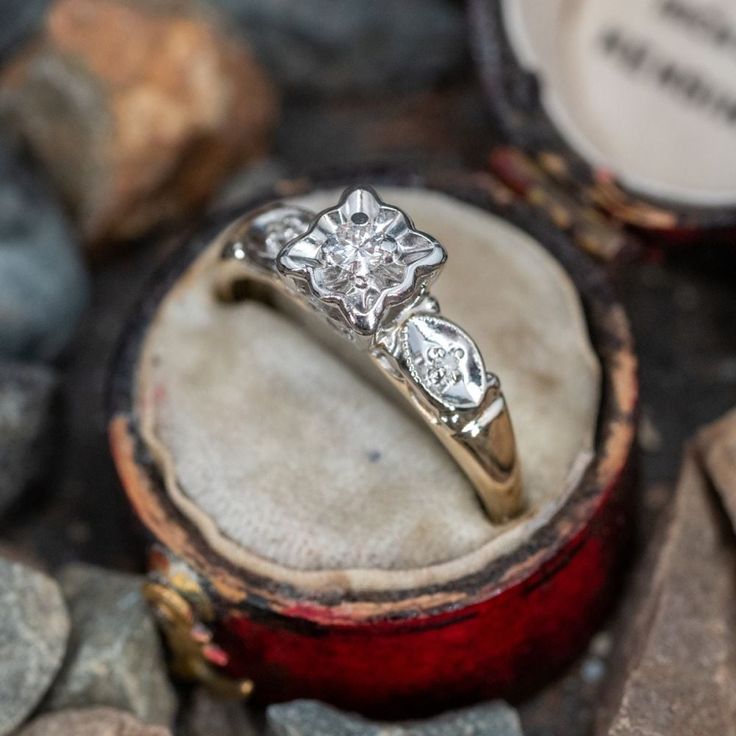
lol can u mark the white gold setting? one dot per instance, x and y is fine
(261, 236)
(444, 361)
(362, 257)
(365, 268)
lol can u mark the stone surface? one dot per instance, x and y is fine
(330, 46)
(310, 718)
(678, 659)
(207, 715)
(43, 286)
(138, 110)
(34, 627)
(717, 444)
(91, 722)
(26, 392)
(19, 19)
(115, 657)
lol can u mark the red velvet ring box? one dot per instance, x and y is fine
(311, 539)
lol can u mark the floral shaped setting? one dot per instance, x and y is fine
(362, 257)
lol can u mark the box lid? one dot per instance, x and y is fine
(629, 107)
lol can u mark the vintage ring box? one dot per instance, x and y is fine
(615, 113)
(312, 539)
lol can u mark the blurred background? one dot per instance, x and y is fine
(123, 122)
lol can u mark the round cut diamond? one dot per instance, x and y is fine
(359, 263)
(443, 366)
(360, 259)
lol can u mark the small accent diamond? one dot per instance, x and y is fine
(444, 365)
(444, 361)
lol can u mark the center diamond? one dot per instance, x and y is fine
(360, 258)
(359, 264)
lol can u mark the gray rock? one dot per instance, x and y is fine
(332, 46)
(19, 19)
(91, 722)
(43, 285)
(26, 392)
(310, 718)
(34, 627)
(115, 656)
(207, 715)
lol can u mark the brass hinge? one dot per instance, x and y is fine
(183, 611)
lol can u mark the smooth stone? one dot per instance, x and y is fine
(208, 715)
(26, 393)
(332, 47)
(115, 656)
(34, 628)
(91, 722)
(311, 718)
(43, 284)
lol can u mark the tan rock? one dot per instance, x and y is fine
(91, 722)
(138, 109)
(678, 665)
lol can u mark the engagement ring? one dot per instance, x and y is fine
(364, 268)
